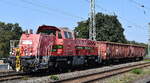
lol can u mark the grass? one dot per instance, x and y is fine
(146, 59)
(25, 78)
(54, 77)
(129, 76)
(137, 71)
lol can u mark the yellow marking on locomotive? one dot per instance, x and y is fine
(18, 62)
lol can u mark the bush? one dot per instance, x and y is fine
(137, 71)
(54, 77)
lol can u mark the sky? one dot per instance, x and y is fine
(134, 16)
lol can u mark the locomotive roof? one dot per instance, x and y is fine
(48, 28)
(66, 29)
(53, 28)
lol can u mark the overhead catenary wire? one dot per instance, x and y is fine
(98, 6)
(27, 7)
(140, 4)
(44, 10)
(106, 10)
(34, 9)
(52, 9)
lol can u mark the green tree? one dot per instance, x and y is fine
(8, 32)
(108, 28)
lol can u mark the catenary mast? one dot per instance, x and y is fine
(92, 28)
(149, 40)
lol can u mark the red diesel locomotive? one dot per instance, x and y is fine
(53, 47)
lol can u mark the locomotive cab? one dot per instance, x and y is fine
(62, 46)
(61, 35)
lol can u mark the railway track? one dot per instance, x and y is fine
(11, 76)
(6, 71)
(101, 75)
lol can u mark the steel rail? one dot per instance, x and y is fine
(101, 75)
(6, 71)
(11, 76)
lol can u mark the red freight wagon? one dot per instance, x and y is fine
(111, 51)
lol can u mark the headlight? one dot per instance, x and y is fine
(30, 54)
(26, 54)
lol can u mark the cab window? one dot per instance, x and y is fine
(47, 32)
(59, 35)
(68, 35)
